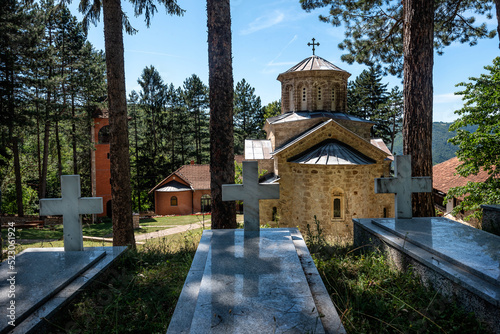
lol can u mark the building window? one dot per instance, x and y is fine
(275, 216)
(338, 205)
(173, 201)
(319, 93)
(206, 203)
(333, 99)
(103, 136)
(303, 105)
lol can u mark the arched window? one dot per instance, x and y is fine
(275, 216)
(103, 135)
(303, 105)
(338, 204)
(291, 106)
(173, 201)
(206, 203)
(333, 99)
(319, 99)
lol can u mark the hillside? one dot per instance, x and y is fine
(441, 149)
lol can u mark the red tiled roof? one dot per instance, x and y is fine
(197, 175)
(444, 178)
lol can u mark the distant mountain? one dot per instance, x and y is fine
(441, 149)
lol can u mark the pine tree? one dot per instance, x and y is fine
(221, 110)
(367, 97)
(196, 100)
(248, 115)
(383, 34)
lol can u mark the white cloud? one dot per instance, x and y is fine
(448, 98)
(264, 22)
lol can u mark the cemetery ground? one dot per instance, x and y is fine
(139, 292)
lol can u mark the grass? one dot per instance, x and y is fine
(372, 297)
(139, 293)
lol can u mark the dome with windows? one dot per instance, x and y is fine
(314, 84)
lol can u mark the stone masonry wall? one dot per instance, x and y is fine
(308, 190)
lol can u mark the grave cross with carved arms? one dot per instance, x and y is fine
(71, 206)
(403, 185)
(250, 192)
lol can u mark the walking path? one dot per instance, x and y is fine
(157, 234)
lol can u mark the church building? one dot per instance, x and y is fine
(324, 159)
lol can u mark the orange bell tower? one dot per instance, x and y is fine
(101, 171)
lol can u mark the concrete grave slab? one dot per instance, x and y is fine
(254, 282)
(460, 261)
(40, 282)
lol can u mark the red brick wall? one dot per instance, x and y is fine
(184, 203)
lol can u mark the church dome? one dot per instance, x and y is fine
(314, 84)
(314, 63)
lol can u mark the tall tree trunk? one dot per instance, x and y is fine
(221, 110)
(58, 148)
(417, 121)
(17, 173)
(73, 128)
(45, 159)
(137, 169)
(497, 7)
(123, 231)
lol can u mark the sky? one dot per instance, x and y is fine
(268, 38)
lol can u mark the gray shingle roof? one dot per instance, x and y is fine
(332, 152)
(314, 63)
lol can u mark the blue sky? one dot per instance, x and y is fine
(269, 37)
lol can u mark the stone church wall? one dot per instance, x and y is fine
(307, 191)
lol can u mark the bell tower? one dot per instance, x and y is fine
(101, 170)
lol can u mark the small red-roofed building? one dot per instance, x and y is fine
(185, 191)
(445, 177)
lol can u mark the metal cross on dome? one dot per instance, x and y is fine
(313, 44)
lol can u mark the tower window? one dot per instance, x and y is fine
(304, 94)
(333, 99)
(319, 93)
(103, 136)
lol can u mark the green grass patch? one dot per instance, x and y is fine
(175, 220)
(137, 295)
(372, 297)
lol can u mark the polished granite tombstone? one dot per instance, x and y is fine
(46, 278)
(460, 261)
(462, 245)
(254, 282)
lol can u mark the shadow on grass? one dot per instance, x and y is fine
(138, 294)
(373, 297)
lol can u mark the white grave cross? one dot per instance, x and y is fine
(71, 206)
(403, 185)
(250, 192)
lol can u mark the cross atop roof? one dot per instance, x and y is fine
(313, 44)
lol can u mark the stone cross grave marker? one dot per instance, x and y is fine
(250, 192)
(403, 185)
(71, 206)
